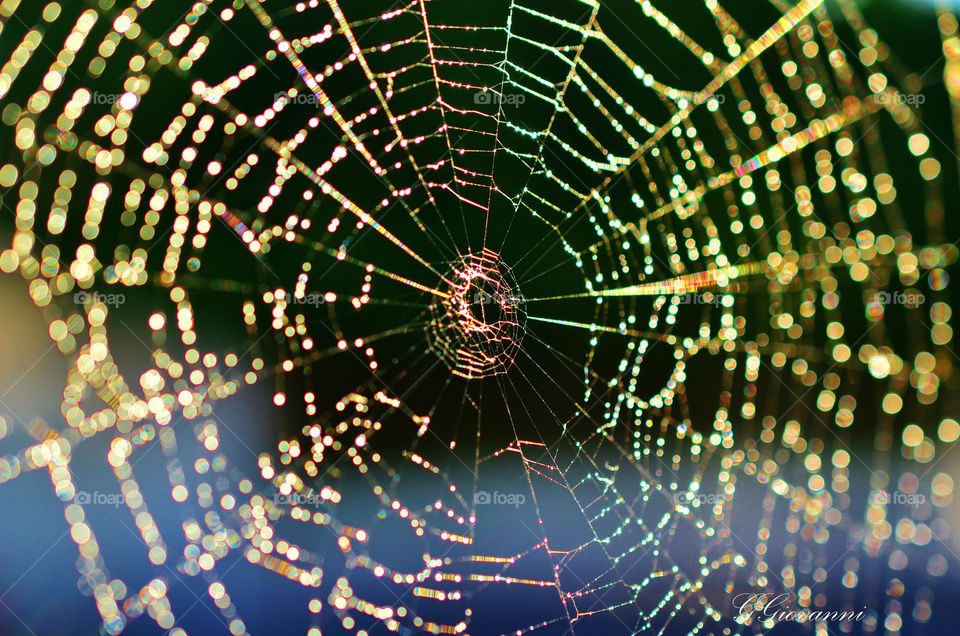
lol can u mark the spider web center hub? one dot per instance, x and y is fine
(477, 329)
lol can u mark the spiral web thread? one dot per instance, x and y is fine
(768, 180)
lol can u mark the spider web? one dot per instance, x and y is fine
(649, 258)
